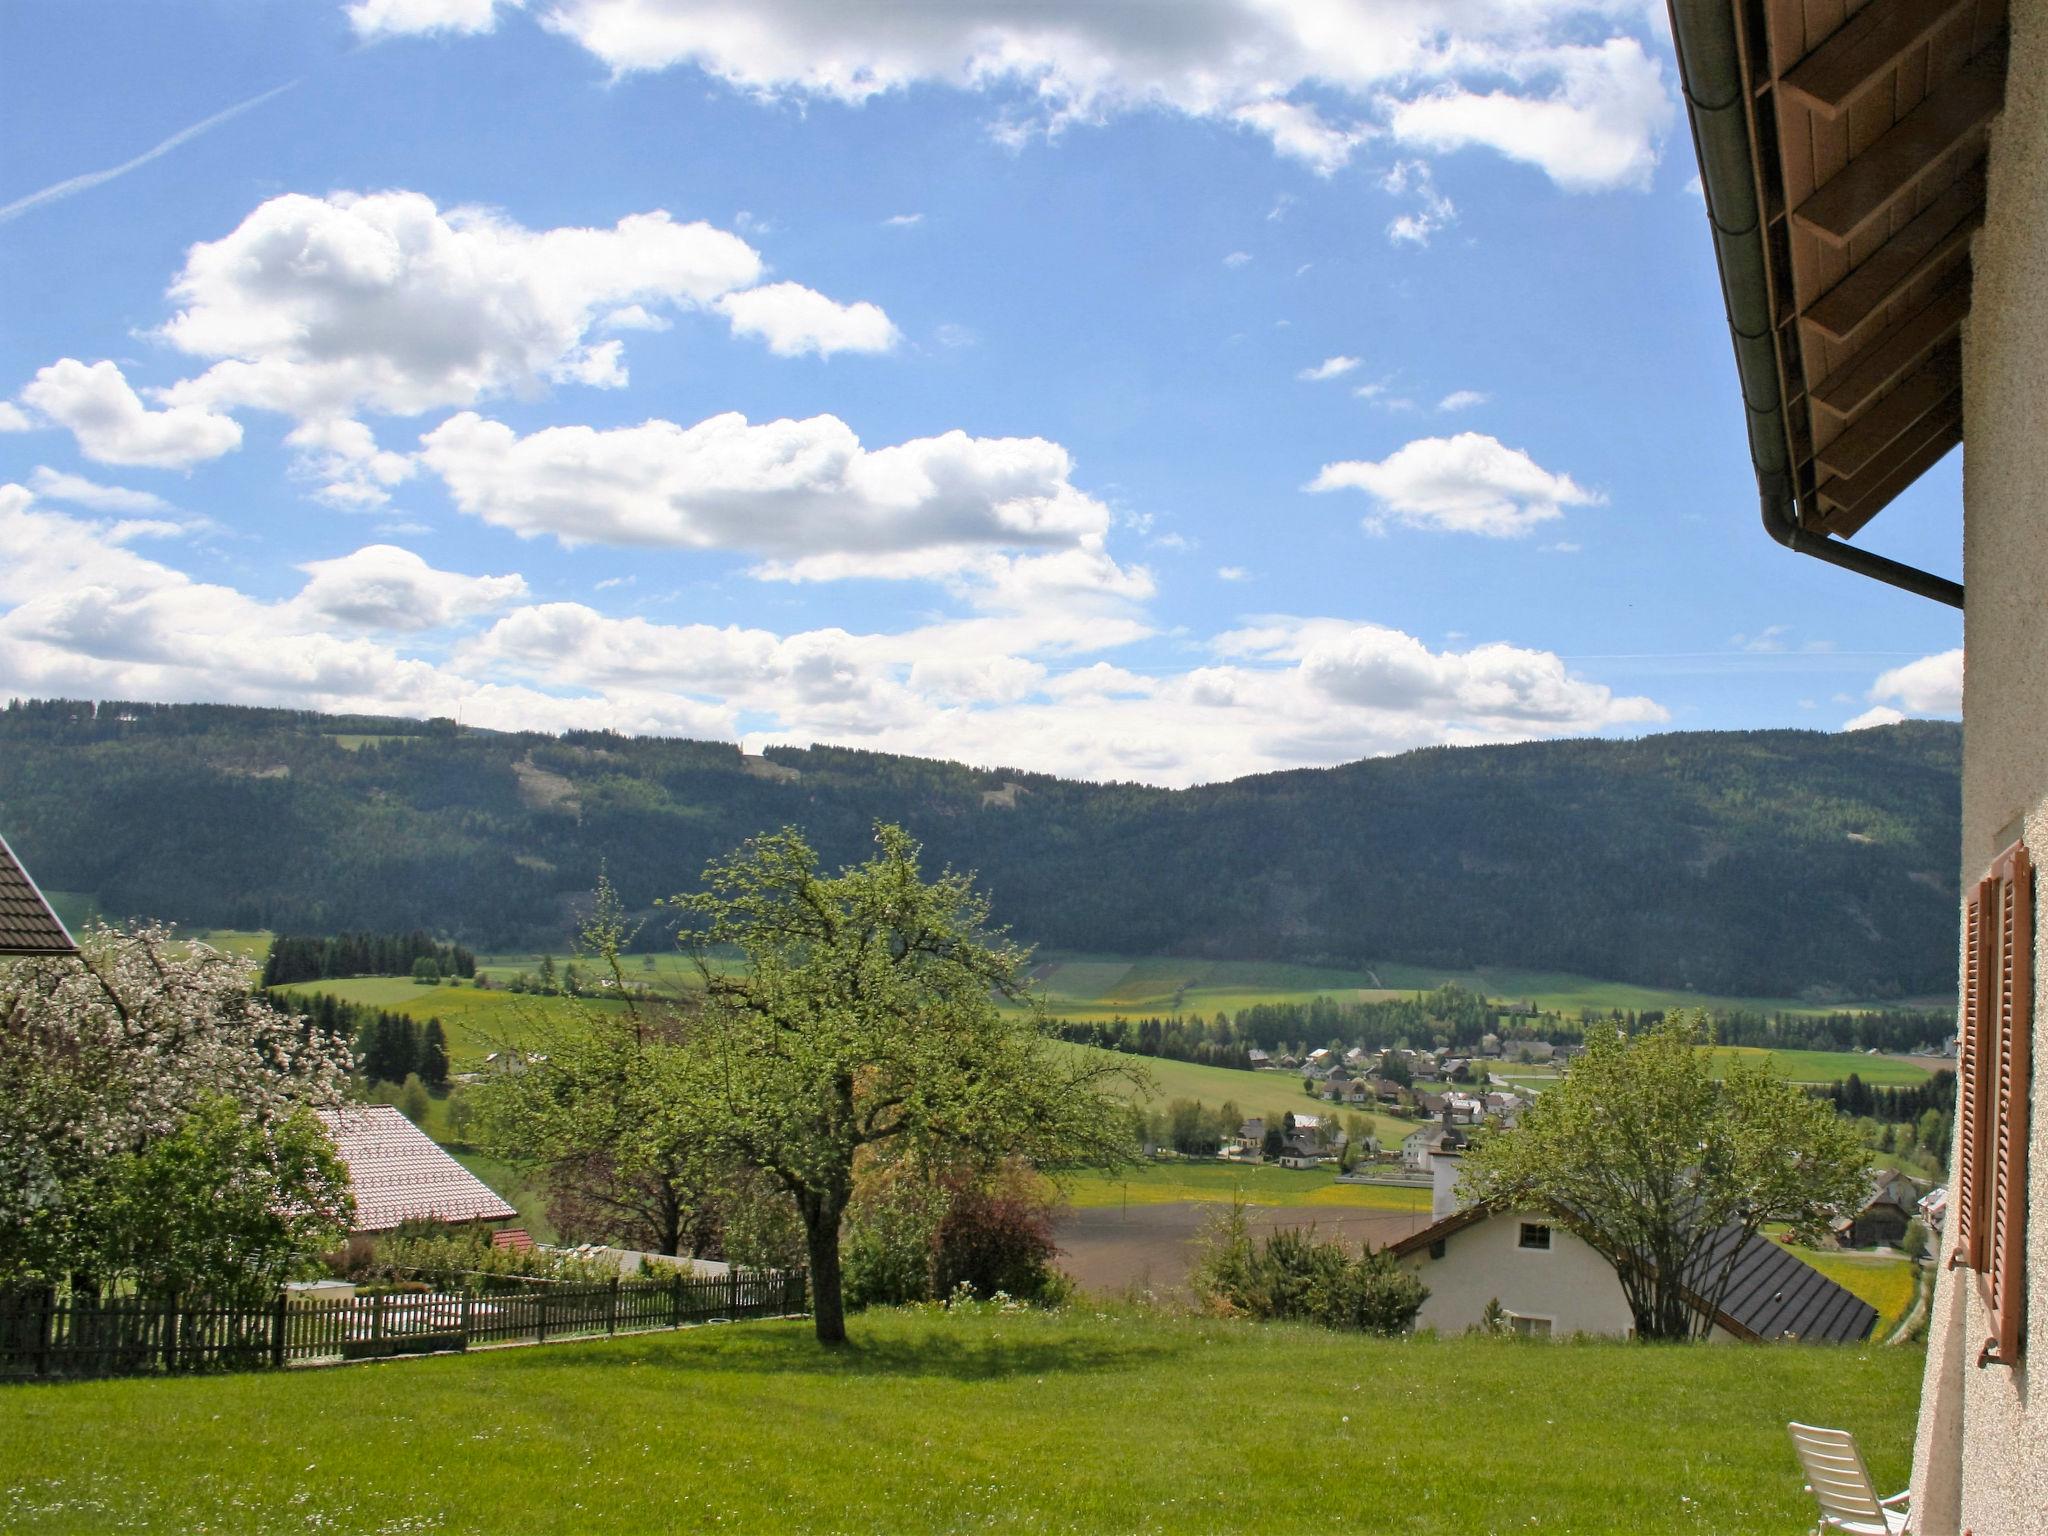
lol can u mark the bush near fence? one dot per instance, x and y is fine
(41, 1337)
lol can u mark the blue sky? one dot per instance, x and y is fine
(1107, 388)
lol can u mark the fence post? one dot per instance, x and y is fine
(611, 1310)
(675, 1299)
(376, 1321)
(277, 1325)
(170, 1345)
(540, 1327)
(463, 1323)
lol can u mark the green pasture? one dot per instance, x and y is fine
(477, 1022)
(1885, 1280)
(930, 1421)
(1271, 1094)
(1828, 1066)
(1168, 1182)
(1103, 986)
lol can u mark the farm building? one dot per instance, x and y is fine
(1881, 1222)
(401, 1176)
(1551, 1283)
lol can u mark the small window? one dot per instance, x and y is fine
(1532, 1327)
(1436, 1249)
(1536, 1235)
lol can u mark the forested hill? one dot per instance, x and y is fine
(1763, 862)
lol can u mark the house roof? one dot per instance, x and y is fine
(1772, 1292)
(400, 1175)
(1842, 155)
(27, 925)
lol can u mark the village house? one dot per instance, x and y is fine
(1421, 1149)
(1551, 1283)
(1259, 1060)
(401, 1177)
(1876, 181)
(1882, 1219)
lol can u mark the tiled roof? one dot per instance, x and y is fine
(400, 1175)
(1772, 1292)
(1775, 1294)
(27, 925)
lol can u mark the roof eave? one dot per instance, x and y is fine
(1710, 76)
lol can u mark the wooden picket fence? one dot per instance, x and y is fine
(46, 1338)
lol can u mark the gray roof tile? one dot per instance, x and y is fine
(27, 925)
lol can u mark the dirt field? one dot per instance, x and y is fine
(1151, 1247)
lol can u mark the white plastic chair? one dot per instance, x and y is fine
(1839, 1483)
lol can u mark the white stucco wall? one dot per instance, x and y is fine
(1981, 1458)
(1570, 1284)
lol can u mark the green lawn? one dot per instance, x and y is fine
(1080, 1422)
(1259, 1184)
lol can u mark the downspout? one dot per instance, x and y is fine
(1710, 72)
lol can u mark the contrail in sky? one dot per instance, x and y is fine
(85, 183)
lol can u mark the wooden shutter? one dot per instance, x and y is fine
(2010, 1077)
(1975, 1111)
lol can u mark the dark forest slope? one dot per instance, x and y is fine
(1763, 862)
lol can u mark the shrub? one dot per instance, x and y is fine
(892, 1225)
(916, 1236)
(1914, 1243)
(1292, 1274)
(463, 1259)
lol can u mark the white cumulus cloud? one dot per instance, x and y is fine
(1470, 483)
(793, 320)
(1328, 368)
(381, 586)
(55, 485)
(1598, 127)
(789, 490)
(320, 306)
(388, 18)
(1316, 78)
(1933, 685)
(99, 407)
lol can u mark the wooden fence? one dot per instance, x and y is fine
(127, 1337)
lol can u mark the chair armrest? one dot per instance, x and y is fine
(1901, 1498)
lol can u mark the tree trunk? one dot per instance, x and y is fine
(821, 1239)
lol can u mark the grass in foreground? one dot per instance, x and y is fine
(1074, 1422)
(1162, 1183)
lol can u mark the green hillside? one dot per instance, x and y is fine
(1763, 864)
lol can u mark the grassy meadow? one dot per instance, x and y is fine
(476, 1022)
(1105, 986)
(1076, 1421)
(1178, 1179)
(1828, 1066)
(1271, 1094)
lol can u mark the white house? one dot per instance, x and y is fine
(1551, 1283)
(1420, 1149)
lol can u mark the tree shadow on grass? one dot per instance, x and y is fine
(762, 1350)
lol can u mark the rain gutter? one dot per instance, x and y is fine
(1710, 72)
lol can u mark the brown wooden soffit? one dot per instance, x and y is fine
(1870, 124)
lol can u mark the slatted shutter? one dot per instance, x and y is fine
(1975, 1110)
(2010, 1080)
